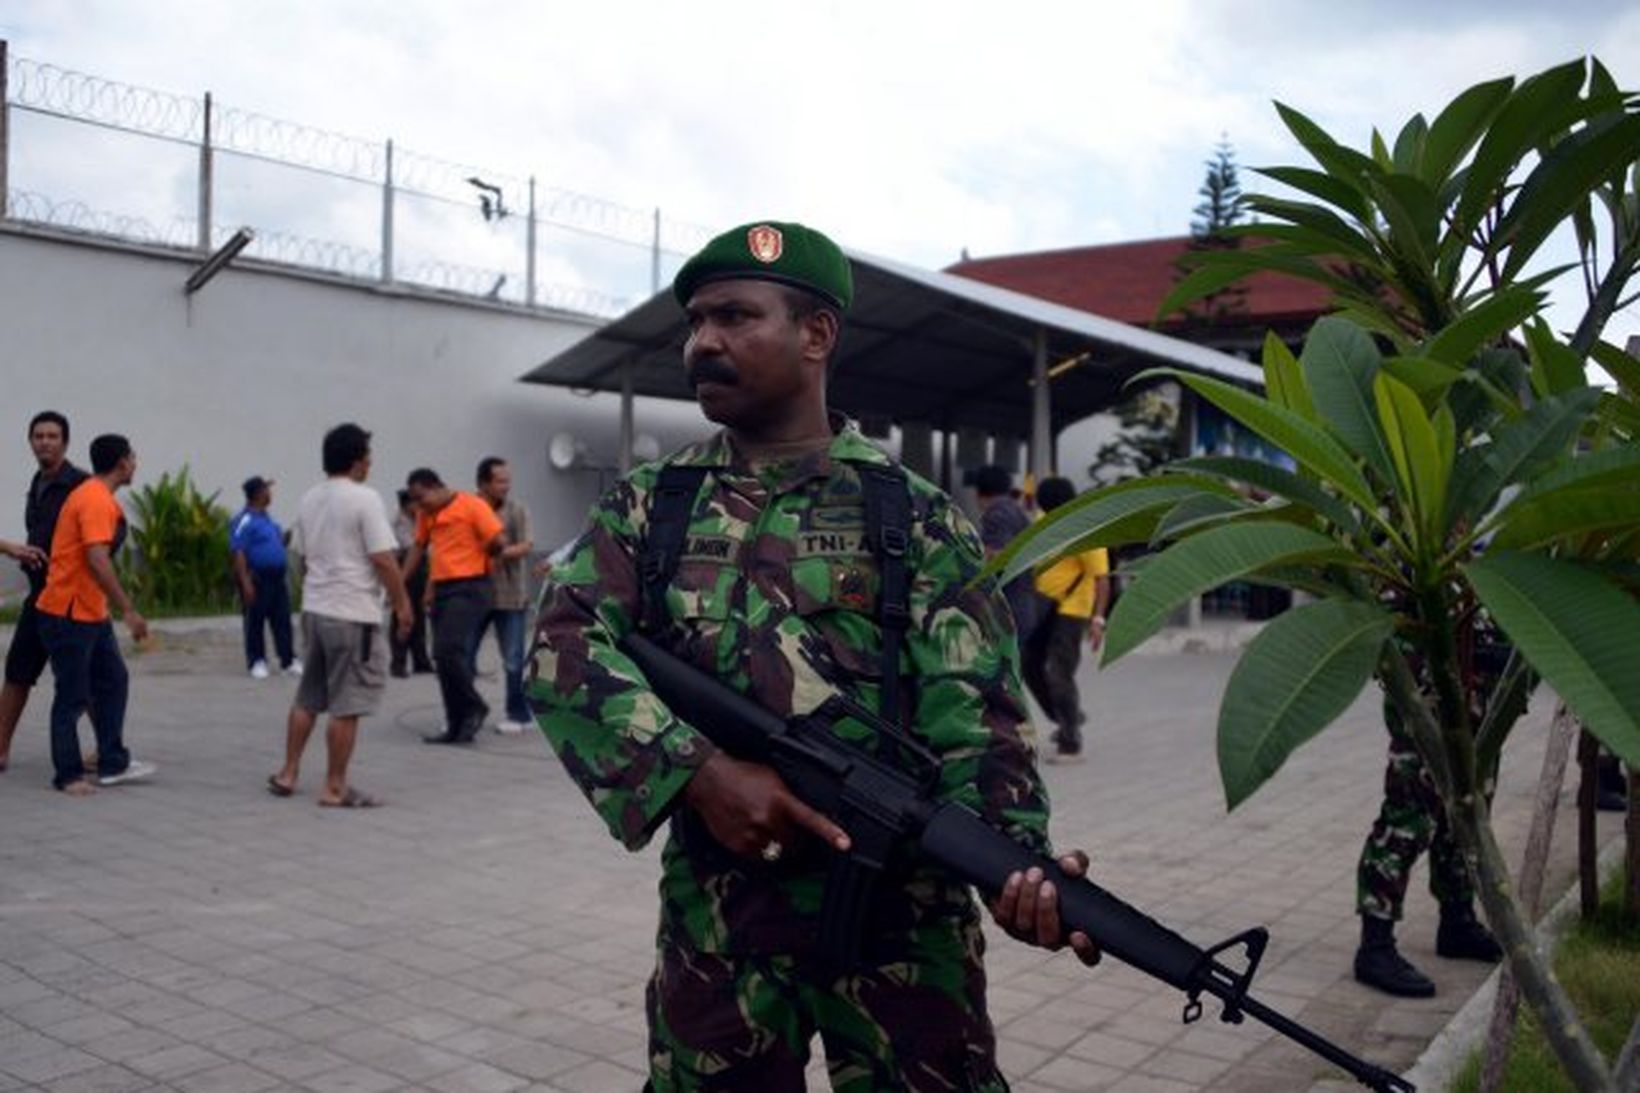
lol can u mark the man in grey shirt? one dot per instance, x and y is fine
(346, 546)
(509, 583)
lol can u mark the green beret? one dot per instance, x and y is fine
(771, 250)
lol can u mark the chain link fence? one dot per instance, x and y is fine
(84, 154)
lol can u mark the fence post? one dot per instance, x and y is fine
(387, 216)
(655, 256)
(5, 133)
(529, 258)
(206, 183)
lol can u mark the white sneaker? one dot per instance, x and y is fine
(259, 670)
(511, 728)
(294, 668)
(135, 771)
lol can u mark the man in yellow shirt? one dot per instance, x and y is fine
(1079, 586)
(463, 533)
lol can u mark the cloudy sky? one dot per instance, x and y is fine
(911, 129)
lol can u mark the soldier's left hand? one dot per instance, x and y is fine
(1028, 909)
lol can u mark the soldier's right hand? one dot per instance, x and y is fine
(749, 809)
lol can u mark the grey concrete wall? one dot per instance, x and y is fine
(245, 377)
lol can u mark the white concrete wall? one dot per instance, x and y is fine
(246, 376)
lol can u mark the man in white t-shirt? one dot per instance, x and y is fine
(347, 550)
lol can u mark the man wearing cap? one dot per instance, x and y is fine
(775, 594)
(259, 568)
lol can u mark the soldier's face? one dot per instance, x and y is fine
(745, 353)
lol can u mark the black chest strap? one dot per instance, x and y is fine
(669, 516)
(888, 530)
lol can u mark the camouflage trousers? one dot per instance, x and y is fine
(1411, 820)
(721, 1023)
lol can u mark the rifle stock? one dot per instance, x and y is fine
(841, 780)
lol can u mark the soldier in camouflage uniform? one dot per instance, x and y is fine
(774, 593)
(1412, 819)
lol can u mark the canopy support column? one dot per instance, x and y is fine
(1042, 459)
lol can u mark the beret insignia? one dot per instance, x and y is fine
(766, 243)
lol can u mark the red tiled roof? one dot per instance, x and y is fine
(1126, 281)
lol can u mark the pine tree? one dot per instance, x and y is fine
(1221, 206)
(1220, 209)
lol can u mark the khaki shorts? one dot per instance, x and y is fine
(344, 669)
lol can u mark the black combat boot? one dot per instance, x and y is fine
(1462, 937)
(1378, 964)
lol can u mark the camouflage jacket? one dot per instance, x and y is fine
(775, 593)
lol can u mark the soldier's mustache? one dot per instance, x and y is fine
(711, 370)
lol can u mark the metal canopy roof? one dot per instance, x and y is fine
(920, 346)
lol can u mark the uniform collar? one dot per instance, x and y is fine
(847, 443)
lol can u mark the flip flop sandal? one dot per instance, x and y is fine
(353, 798)
(277, 788)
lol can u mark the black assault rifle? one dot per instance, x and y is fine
(885, 807)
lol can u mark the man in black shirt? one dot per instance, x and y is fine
(51, 485)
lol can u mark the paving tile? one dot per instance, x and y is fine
(354, 1078)
(232, 1078)
(477, 1078)
(172, 1063)
(49, 1066)
(206, 932)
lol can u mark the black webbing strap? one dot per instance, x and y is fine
(888, 530)
(669, 516)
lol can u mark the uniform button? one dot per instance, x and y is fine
(685, 749)
(643, 791)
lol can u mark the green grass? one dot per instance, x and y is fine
(1598, 962)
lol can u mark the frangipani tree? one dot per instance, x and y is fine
(1451, 459)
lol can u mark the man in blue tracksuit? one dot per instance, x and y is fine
(258, 546)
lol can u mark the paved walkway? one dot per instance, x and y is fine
(482, 933)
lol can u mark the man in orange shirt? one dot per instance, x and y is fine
(75, 627)
(462, 533)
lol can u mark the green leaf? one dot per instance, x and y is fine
(1622, 367)
(1537, 107)
(1620, 414)
(1518, 450)
(1488, 321)
(1413, 444)
(1555, 367)
(1335, 192)
(1459, 126)
(1306, 443)
(1338, 161)
(1199, 283)
(1340, 361)
(1590, 470)
(1301, 671)
(1275, 480)
(1490, 391)
(1194, 513)
(1577, 630)
(1561, 183)
(1093, 518)
(1429, 378)
(1408, 156)
(1204, 561)
(1339, 238)
(1568, 514)
(1414, 217)
(1283, 380)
